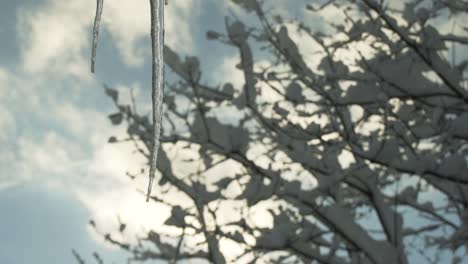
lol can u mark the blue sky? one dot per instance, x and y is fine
(41, 227)
(56, 169)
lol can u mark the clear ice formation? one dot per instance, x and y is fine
(157, 47)
(157, 40)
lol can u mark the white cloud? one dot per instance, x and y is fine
(7, 123)
(52, 37)
(7, 129)
(4, 76)
(56, 37)
(68, 152)
(65, 148)
(107, 192)
(91, 171)
(129, 23)
(7, 168)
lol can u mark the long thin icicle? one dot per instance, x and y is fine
(157, 45)
(97, 20)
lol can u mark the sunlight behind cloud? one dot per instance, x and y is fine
(63, 144)
(55, 42)
(92, 171)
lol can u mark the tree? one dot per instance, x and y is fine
(358, 159)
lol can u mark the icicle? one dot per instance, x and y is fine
(97, 20)
(157, 46)
(157, 43)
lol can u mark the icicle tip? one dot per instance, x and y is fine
(150, 185)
